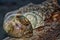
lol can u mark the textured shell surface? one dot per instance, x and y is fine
(21, 22)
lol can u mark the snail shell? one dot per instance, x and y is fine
(21, 22)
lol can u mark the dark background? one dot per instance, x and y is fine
(11, 5)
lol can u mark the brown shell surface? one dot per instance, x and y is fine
(50, 31)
